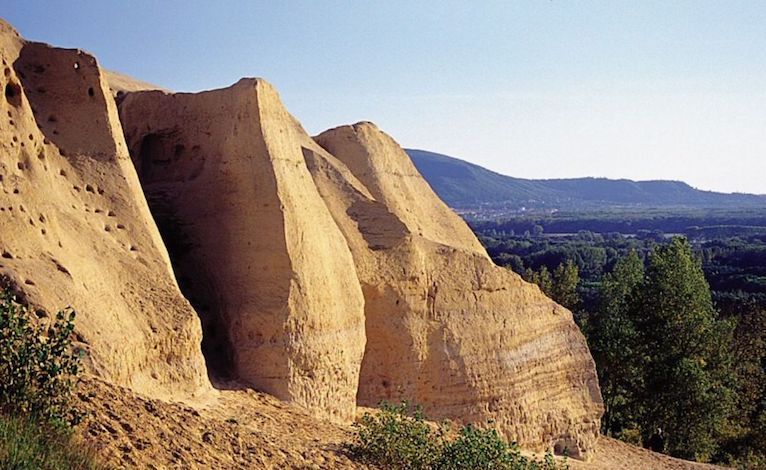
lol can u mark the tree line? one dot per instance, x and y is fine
(676, 375)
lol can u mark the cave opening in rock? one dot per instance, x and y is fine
(13, 93)
(150, 155)
(154, 160)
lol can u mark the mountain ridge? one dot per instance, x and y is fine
(465, 185)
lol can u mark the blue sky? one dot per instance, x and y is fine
(540, 89)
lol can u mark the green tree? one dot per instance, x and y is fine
(510, 261)
(747, 444)
(566, 278)
(749, 350)
(542, 278)
(614, 343)
(688, 381)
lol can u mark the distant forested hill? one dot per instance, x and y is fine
(463, 185)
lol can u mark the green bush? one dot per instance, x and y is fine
(398, 437)
(38, 364)
(27, 444)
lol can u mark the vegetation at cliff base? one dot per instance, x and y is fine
(398, 437)
(28, 444)
(38, 366)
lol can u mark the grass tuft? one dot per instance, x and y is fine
(27, 444)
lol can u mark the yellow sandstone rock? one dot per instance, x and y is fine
(76, 229)
(257, 250)
(446, 328)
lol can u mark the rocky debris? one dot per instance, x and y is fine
(133, 431)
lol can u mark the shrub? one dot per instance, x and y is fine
(38, 364)
(398, 437)
(483, 449)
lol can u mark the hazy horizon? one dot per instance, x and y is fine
(641, 91)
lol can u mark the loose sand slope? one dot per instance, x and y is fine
(253, 430)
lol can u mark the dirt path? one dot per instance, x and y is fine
(611, 454)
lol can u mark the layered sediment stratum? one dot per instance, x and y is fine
(447, 328)
(323, 271)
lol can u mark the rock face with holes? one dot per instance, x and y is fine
(256, 249)
(446, 328)
(75, 228)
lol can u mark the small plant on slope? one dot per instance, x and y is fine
(399, 438)
(396, 438)
(37, 364)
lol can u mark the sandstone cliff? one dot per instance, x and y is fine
(447, 328)
(257, 250)
(76, 229)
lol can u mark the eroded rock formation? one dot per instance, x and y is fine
(325, 271)
(76, 229)
(260, 255)
(447, 328)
